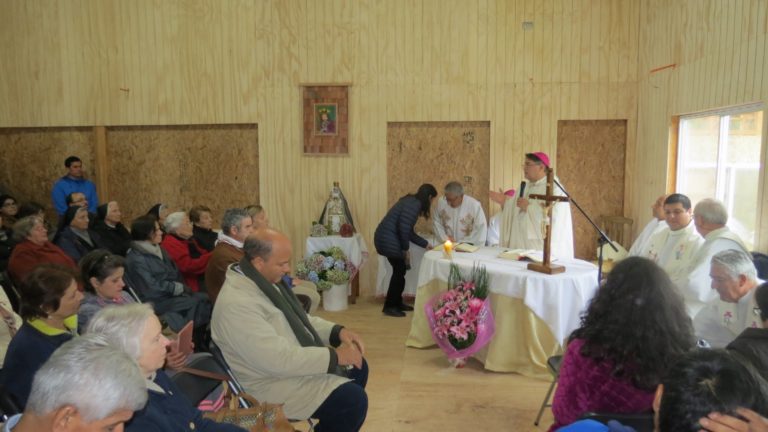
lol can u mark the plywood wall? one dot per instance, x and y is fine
(719, 50)
(148, 62)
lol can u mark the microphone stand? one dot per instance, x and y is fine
(601, 241)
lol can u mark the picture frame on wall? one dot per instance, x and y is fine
(326, 117)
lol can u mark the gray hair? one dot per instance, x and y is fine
(257, 247)
(91, 375)
(711, 211)
(173, 221)
(737, 263)
(232, 219)
(454, 188)
(24, 226)
(122, 326)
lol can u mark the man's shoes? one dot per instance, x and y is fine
(405, 307)
(393, 311)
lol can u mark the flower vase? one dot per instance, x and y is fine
(458, 363)
(335, 298)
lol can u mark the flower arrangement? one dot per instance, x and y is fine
(327, 268)
(460, 318)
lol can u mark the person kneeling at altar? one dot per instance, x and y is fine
(735, 279)
(611, 365)
(278, 352)
(459, 218)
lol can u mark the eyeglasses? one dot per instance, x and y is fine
(530, 164)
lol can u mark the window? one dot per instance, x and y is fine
(719, 157)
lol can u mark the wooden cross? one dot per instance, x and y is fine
(550, 199)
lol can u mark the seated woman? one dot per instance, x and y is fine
(9, 208)
(136, 330)
(190, 258)
(102, 276)
(6, 246)
(49, 305)
(34, 208)
(633, 329)
(114, 235)
(202, 227)
(33, 249)
(74, 237)
(152, 273)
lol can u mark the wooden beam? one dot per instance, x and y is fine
(102, 163)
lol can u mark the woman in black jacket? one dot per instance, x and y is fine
(392, 240)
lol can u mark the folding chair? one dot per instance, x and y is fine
(197, 387)
(553, 363)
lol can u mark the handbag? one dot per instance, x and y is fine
(259, 417)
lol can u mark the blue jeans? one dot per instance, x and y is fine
(344, 410)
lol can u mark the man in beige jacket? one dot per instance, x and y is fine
(281, 354)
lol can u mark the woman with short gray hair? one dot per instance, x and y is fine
(136, 330)
(34, 249)
(189, 256)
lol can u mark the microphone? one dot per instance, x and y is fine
(521, 191)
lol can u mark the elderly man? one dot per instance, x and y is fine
(522, 225)
(657, 223)
(86, 385)
(709, 218)
(674, 247)
(734, 278)
(74, 181)
(236, 225)
(459, 218)
(280, 353)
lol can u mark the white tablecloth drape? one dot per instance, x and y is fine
(411, 276)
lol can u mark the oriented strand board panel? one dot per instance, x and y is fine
(591, 158)
(33, 159)
(183, 166)
(437, 153)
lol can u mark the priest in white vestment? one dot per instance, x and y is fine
(654, 226)
(522, 222)
(709, 218)
(459, 218)
(674, 247)
(734, 277)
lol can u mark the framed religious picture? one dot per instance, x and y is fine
(325, 120)
(325, 115)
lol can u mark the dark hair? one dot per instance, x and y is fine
(637, 322)
(143, 227)
(31, 208)
(679, 198)
(704, 381)
(534, 158)
(254, 247)
(43, 289)
(70, 160)
(761, 298)
(100, 264)
(4, 197)
(197, 211)
(425, 194)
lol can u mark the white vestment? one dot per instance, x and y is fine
(653, 227)
(720, 322)
(494, 230)
(524, 230)
(674, 250)
(465, 223)
(696, 283)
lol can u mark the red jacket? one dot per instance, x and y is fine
(27, 255)
(191, 268)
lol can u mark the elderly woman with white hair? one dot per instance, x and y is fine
(189, 256)
(136, 330)
(87, 384)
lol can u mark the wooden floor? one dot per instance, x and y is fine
(416, 390)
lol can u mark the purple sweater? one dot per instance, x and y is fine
(586, 386)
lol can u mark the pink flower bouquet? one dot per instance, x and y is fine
(460, 319)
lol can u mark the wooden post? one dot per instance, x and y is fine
(550, 200)
(102, 164)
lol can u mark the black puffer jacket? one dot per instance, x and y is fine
(395, 231)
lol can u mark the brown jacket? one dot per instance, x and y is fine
(222, 256)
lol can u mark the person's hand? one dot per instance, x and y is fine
(352, 338)
(522, 203)
(175, 360)
(716, 422)
(497, 197)
(349, 355)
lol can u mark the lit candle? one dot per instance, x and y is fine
(448, 249)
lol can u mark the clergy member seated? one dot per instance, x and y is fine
(86, 385)
(735, 279)
(612, 366)
(523, 219)
(709, 217)
(674, 247)
(235, 227)
(74, 236)
(459, 218)
(114, 236)
(281, 354)
(657, 223)
(752, 343)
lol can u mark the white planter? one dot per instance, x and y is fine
(335, 298)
